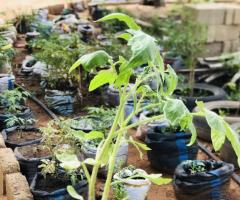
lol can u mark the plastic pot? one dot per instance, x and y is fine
(61, 102)
(13, 144)
(203, 130)
(227, 153)
(29, 159)
(169, 150)
(211, 184)
(55, 189)
(6, 82)
(215, 94)
(121, 158)
(136, 189)
(110, 96)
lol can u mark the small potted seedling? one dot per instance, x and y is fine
(13, 102)
(134, 184)
(20, 132)
(205, 179)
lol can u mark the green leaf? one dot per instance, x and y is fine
(121, 17)
(125, 36)
(218, 130)
(90, 161)
(80, 135)
(69, 161)
(175, 111)
(91, 60)
(157, 179)
(139, 146)
(170, 82)
(144, 50)
(103, 77)
(73, 193)
(94, 135)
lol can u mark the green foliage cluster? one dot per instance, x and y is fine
(6, 51)
(59, 53)
(13, 100)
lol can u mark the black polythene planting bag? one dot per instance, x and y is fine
(56, 194)
(212, 184)
(169, 150)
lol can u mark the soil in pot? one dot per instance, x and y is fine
(201, 92)
(17, 136)
(202, 179)
(169, 148)
(29, 158)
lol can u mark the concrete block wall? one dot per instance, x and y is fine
(13, 185)
(223, 26)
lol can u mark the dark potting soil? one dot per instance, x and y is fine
(34, 151)
(23, 136)
(227, 111)
(51, 184)
(196, 92)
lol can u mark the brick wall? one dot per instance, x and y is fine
(223, 26)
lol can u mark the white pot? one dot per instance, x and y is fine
(136, 189)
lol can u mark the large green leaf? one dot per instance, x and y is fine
(144, 50)
(73, 193)
(69, 161)
(121, 17)
(91, 61)
(94, 135)
(103, 77)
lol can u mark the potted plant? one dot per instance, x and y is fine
(227, 153)
(118, 73)
(20, 133)
(29, 158)
(13, 102)
(229, 110)
(132, 183)
(205, 179)
(52, 180)
(6, 55)
(169, 147)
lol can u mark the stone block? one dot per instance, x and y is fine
(212, 49)
(17, 187)
(2, 143)
(8, 164)
(220, 33)
(235, 45)
(227, 46)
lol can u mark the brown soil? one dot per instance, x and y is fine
(23, 136)
(34, 151)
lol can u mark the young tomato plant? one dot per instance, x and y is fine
(144, 51)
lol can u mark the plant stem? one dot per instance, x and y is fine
(91, 195)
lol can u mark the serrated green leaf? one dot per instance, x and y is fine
(121, 17)
(103, 77)
(73, 193)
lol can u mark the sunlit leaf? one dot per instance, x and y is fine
(73, 193)
(121, 17)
